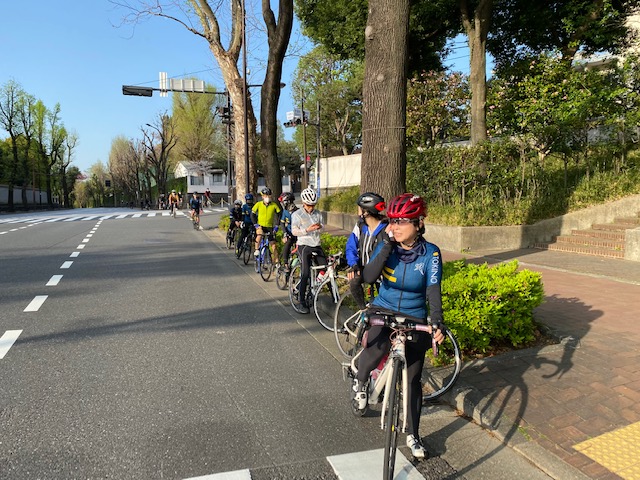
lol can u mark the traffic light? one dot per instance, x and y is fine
(137, 91)
(225, 114)
(293, 123)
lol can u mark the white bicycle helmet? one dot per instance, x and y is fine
(309, 196)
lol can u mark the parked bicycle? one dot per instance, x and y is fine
(389, 384)
(323, 292)
(284, 270)
(264, 262)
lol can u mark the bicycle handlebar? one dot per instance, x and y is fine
(399, 322)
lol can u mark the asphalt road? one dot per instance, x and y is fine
(156, 355)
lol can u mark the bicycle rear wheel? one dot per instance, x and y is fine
(439, 374)
(266, 265)
(346, 322)
(326, 299)
(247, 253)
(392, 420)
(229, 239)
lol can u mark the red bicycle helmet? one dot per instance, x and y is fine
(406, 205)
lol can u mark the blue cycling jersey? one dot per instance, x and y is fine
(408, 279)
(246, 213)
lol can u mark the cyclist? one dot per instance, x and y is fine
(196, 207)
(367, 233)
(265, 215)
(247, 223)
(287, 200)
(235, 218)
(173, 201)
(411, 271)
(207, 198)
(306, 224)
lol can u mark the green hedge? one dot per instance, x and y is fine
(488, 308)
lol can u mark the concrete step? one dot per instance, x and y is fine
(612, 226)
(604, 234)
(615, 244)
(581, 249)
(633, 221)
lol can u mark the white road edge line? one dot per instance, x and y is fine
(7, 340)
(36, 303)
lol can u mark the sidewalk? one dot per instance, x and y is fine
(579, 400)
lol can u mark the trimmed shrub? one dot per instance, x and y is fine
(490, 307)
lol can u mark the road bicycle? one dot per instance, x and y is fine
(195, 218)
(244, 248)
(323, 291)
(174, 208)
(389, 383)
(284, 270)
(232, 237)
(346, 317)
(264, 262)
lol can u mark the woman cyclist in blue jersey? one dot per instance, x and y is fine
(411, 270)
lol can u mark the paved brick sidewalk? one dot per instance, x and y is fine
(562, 395)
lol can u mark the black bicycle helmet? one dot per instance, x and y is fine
(286, 197)
(371, 202)
(266, 191)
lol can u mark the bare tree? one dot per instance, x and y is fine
(158, 141)
(227, 59)
(10, 121)
(70, 143)
(26, 114)
(384, 97)
(57, 136)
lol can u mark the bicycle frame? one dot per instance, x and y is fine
(329, 276)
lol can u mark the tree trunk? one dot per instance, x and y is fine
(384, 98)
(476, 26)
(278, 34)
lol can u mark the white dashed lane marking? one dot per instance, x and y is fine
(53, 281)
(36, 303)
(66, 264)
(7, 340)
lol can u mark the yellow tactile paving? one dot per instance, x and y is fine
(618, 451)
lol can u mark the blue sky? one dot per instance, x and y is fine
(74, 52)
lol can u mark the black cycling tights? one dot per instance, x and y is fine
(378, 345)
(305, 253)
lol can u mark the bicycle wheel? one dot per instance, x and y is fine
(392, 420)
(236, 236)
(440, 373)
(247, 253)
(266, 266)
(347, 319)
(327, 297)
(282, 278)
(239, 249)
(229, 240)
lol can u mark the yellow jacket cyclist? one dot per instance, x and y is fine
(266, 216)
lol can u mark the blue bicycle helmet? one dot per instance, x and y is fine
(249, 197)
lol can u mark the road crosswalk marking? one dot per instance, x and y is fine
(348, 466)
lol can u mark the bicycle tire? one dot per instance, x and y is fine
(236, 236)
(247, 253)
(324, 302)
(346, 322)
(239, 249)
(229, 241)
(392, 419)
(441, 373)
(282, 278)
(266, 265)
